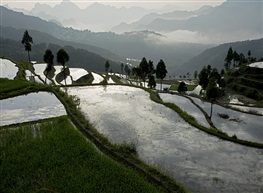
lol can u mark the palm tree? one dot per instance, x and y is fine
(48, 58)
(62, 58)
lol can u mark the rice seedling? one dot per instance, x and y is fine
(53, 156)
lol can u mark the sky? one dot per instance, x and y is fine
(150, 4)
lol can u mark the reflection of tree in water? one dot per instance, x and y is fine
(235, 119)
(104, 87)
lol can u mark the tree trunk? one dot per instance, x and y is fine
(211, 112)
(64, 74)
(161, 84)
(29, 60)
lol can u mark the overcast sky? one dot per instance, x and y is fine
(150, 4)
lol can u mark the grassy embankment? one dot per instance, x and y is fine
(212, 131)
(52, 156)
(32, 156)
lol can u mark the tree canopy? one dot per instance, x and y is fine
(27, 41)
(161, 71)
(48, 58)
(107, 66)
(62, 58)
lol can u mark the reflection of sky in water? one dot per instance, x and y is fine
(244, 126)
(33, 106)
(8, 69)
(186, 105)
(202, 162)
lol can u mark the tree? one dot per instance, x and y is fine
(151, 67)
(127, 70)
(62, 58)
(228, 59)
(182, 87)
(152, 83)
(214, 74)
(122, 66)
(137, 72)
(161, 71)
(144, 69)
(195, 74)
(242, 59)
(212, 93)
(222, 73)
(203, 77)
(236, 58)
(48, 58)
(249, 54)
(107, 66)
(27, 41)
(188, 75)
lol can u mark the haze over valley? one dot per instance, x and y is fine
(117, 32)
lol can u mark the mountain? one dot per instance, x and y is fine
(151, 17)
(80, 58)
(216, 56)
(19, 20)
(96, 17)
(135, 45)
(231, 21)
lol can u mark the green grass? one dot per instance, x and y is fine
(7, 85)
(52, 156)
(15, 87)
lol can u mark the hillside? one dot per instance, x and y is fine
(216, 56)
(247, 81)
(231, 21)
(78, 57)
(136, 45)
(14, 24)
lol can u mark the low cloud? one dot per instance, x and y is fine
(179, 36)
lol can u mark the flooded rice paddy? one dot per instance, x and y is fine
(202, 162)
(30, 107)
(244, 126)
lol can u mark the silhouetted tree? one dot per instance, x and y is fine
(144, 69)
(48, 58)
(235, 58)
(127, 70)
(161, 71)
(249, 56)
(195, 74)
(151, 83)
(182, 87)
(62, 58)
(151, 67)
(188, 75)
(27, 41)
(137, 72)
(212, 93)
(122, 67)
(107, 66)
(228, 59)
(203, 77)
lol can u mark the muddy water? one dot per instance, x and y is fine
(202, 162)
(31, 107)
